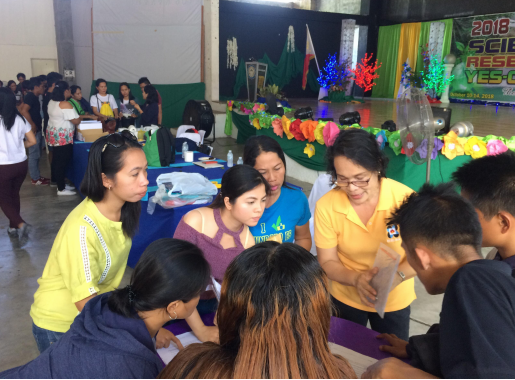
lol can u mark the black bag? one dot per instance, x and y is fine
(192, 146)
(166, 146)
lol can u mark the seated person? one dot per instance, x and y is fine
(287, 210)
(80, 104)
(441, 235)
(143, 82)
(274, 317)
(488, 184)
(113, 335)
(149, 110)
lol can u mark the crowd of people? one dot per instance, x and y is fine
(273, 311)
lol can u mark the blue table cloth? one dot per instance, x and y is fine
(163, 222)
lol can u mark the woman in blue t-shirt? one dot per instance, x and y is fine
(287, 210)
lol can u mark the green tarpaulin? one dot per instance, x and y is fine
(400, 167)
(174, 96)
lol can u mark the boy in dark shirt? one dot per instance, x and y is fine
(489, 184)
(441, 235)
(31, 110)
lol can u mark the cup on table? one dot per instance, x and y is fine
(188, 156)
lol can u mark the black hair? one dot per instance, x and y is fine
(74, 88)
(43, 77)
(53, 78)
(105, 158)
(120, 96)
(21, 75)
(58, 93)
(169, 270)
(438, 217)
(11, 82)
(25, 85)
(97, 83)
(360, 147)
(144, 80)
(256, 145)
(489, 183)
(8, 110)
(236, 181)
(1, 84)
(33, 82)
(151, 92)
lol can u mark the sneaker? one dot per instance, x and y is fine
(69, 187)
(53, 184)
(24, 231)
(66, 192)
(40, 182)
(12, 232)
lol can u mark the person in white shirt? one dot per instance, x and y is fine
(15, 135)
(102, 98)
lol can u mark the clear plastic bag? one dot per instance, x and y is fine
(180, 189)
(387, 260)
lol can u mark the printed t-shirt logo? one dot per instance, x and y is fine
(278, 226)
(393, 231)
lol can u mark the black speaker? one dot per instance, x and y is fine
(389, 125)
(349, 118)
(442, 118)
(304, 113)
(273, 107)
(199, 114)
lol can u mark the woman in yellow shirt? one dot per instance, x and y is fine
(90, 252)
(349, 226)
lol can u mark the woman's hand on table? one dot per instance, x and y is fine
(208, 334)
(164, 337)
(397, 346)
(366, 292)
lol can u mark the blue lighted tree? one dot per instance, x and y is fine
(334, 76)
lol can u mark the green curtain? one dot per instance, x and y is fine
(387, 51)
(423, 40)
(447, 37)
(290, 66)
(174, 97)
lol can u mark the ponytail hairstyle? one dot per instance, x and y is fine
(106, 156)
(237, 181)
(256, 145)
(274, 317)
(60, 88)
(8, 110)
(169, 270)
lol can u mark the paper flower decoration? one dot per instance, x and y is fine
(308, 129)
(495, 147)
(309, 150)
(255, 123)
(511, 144)
(475, 147)
(319, 132)
(246, 111)
(242, 108)
(278, 127)
(381, 139)
(452, 146)
(486, 139)
(255, 108)
(295, 130)
(262, 107)
(422, 148)
(286, 127)
(395, 142)
(331, 131)
(230, 104)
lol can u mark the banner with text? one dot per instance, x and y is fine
(485, 66)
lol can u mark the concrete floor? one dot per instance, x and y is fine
(21, 267)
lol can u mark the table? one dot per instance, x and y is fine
(345, 333)
(163, 222)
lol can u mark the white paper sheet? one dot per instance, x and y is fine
(358, 362)
(167, 354)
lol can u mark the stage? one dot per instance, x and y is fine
(487, 120)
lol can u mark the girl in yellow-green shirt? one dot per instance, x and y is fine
(90, 252)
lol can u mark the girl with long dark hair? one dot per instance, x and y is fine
(150, 110)
(274, 316)
(90, 252)
(127, 103)
(15, 135)
(113, 335)
(287, 210)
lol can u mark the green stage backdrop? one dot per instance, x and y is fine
(400, 167)
(174, 96)
(485, 65)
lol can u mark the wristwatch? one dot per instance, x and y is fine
(401, 275)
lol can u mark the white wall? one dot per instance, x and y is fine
(26, 31)
(81, 21)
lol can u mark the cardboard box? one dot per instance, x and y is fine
(89, 135)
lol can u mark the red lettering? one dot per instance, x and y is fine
(510, 61)
(472, 61)
(485, 61)
(498, 61)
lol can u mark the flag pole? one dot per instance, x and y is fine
(313, 46)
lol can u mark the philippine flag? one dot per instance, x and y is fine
(310, 54)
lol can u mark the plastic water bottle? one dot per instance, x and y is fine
(240, 161)
(184, 148)
(230, 159)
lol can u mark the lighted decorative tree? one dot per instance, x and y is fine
(434, 77)
(365, 73)
(334, 76)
